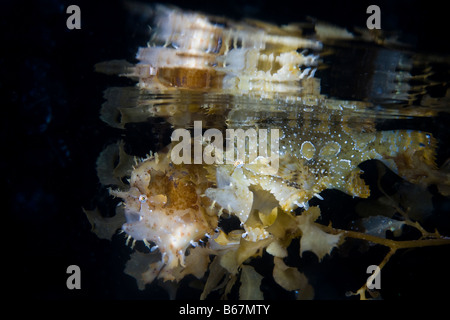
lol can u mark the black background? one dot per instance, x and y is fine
(51, 136)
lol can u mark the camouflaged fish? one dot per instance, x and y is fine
(242, 75)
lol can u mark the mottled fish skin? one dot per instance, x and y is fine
(323, 151)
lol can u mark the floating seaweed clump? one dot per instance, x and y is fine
(255, 144)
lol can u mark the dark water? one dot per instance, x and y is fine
(53, 135)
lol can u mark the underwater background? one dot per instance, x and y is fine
(53, 135)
